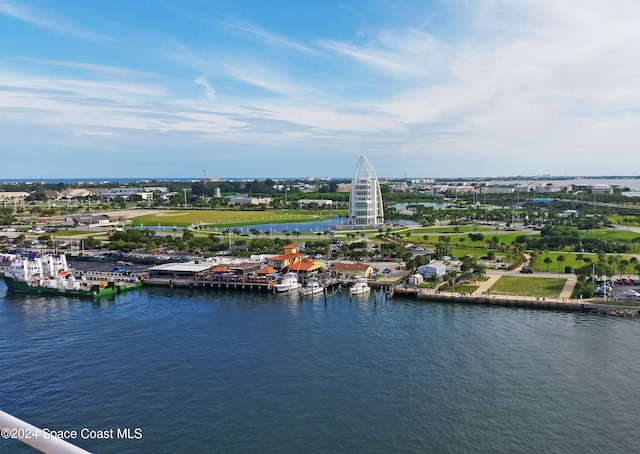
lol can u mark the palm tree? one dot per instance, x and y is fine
(547, 261)
(561, 258)
(623, 266)
(579, 258)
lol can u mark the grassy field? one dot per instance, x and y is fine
(462, 239)
(539, 286)
(462, 229)
(226, 218)
(619, 236)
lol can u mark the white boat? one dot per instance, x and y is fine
(312, 287)
(289, 282)
(360, 287)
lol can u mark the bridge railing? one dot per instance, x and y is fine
(14, 428)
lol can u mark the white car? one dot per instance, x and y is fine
(632, 293)
(604, 288)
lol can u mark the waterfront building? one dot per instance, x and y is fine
(437, 269)
(306, 267)
(601, 189)
(287, 259)
(352, 269)
(365, 198)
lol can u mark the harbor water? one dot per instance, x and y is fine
(241, 372)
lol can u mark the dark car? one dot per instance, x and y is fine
(526, 271)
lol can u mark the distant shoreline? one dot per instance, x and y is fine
(195, 179)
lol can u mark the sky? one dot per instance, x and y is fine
(290, 89)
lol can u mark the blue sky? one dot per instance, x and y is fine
(280, 88)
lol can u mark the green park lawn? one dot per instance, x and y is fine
(462, 240)
(225, 218)
(462, 229)
(519, 285)
(618, 236)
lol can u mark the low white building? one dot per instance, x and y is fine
(304, 203)
(601, 189)
(437, 269)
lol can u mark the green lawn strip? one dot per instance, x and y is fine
(622, 219)
(618, 236)
(461, 229)
(463, 240)
(226, 218)
(529, 286)
(461, 288)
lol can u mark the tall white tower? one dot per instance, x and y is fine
(365, 199)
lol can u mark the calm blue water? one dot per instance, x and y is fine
(318, 227)
(232, 372)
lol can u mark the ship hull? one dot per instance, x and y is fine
(95, 291)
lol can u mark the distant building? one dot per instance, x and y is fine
(365, 198)
(601, 189)
(304, 203)
(497, 190)
(13, 197)
(79, 220)
(244, 199)
(343, 187)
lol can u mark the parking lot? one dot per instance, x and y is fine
(619, 292)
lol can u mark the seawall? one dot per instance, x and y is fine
(517, 301)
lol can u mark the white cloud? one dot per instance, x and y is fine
(202, 80)
(47, 21)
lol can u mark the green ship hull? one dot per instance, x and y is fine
(94, 291)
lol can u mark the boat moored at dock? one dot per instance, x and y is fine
(360, 287)
(312, 287)
(49, 274)
(289, 282)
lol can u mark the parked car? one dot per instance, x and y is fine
(632, 293)
(526, 271)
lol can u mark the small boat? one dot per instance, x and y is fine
(360, 287)
(312, 287)
(289, 282)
